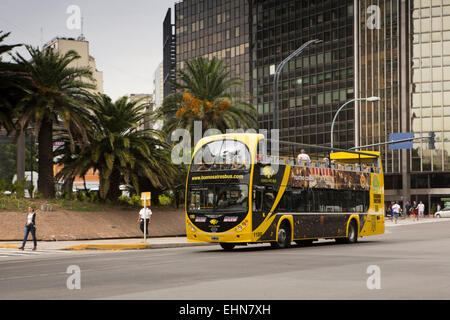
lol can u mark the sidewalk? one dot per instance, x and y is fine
(410, 221)
(155, 243)
(108, 244)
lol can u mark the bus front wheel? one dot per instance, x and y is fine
(227, 246)
(284, 237)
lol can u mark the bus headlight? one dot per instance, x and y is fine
(240, 227)
(192, 227)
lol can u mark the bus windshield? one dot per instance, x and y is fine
(218, 198)
(224, 154)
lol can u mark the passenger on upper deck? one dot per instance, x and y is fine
(303, 157)
(237, 166)
(333, 164)
(203, 167)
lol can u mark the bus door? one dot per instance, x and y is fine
(263, 199)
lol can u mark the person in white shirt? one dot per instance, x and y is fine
(396, 210)
(30, 226)
(145, 215)
(421, 209)
(303, 157)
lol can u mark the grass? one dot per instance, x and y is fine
(11, 203)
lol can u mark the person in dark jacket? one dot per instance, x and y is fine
(30, 226)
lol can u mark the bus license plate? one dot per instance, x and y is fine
(214, 238)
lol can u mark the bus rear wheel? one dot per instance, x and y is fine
(227, 246)
(352, 235)
(284, 237)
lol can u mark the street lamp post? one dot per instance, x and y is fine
(370, 99)
(276, 117)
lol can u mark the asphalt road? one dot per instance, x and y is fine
(413, 262)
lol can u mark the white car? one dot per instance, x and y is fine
(443, 213)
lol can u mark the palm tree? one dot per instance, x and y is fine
(11, 79)
(204, 92)
(55, 95)
(119, 149)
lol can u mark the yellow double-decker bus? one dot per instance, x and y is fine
(237, 194)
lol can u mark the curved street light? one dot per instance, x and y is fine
(369, 99)
(276, 117)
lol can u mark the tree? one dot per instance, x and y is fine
(55, 95)
(204, 92)
(119, 149)
(8, 156)
(11, 80)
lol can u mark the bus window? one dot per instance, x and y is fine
(283, 205)
(299, 200)
(201, 198)
(268, 200)
(222, 155)
(218, 198)
(257, 200)
(233, 197)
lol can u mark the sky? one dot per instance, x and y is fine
(125, 36)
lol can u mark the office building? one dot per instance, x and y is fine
(158, 92)
(80, 46)
(210, 28)
(397, 50)
(144, 98)
(314, 85)
(169, 53)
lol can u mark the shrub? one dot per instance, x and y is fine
(134, 200)
(165, 200)
(3, 185)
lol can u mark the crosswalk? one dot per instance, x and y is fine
(10, 252)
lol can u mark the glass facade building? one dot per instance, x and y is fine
(403, 56)
(430, 98)
(377, 72)
(398, 50)
(169, 53)
(315, 84)
(214, 28)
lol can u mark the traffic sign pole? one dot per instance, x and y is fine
(145, 220)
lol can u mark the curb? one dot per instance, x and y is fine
(411, 223)
(137, 246)
(9, 246)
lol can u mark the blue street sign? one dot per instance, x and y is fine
(401, 136)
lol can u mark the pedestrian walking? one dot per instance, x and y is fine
(421, 209)
(145, 215)
(396, 211)
(408, 209)
(390, 212)
(415, 211)
(30, 226)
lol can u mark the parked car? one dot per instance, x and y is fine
(444, 213)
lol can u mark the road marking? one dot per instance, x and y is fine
(4, 253)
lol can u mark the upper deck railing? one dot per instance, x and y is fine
(283, 160)
(324, 164)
